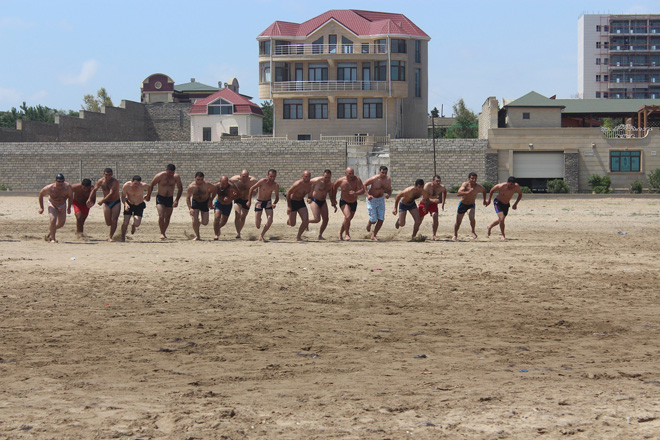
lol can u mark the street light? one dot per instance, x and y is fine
(434, 114)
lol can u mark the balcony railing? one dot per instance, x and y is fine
(329, 49)
(328, 86)
(625, 131)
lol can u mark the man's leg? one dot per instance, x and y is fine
(304, 222)
(316, 212)
(347, 222)
(401, 221)
(457, 225)
(257, 218)
(291, 221)
(52, 224)
(195, 223)
(371, 211)
(162, 220)
(137, 221)
(205, 217)
(473, 221)
(414, 213)
(80, 223)
(269, 222)
(124, 226)
(325, 218)
(495, 223)
(434, 216)
(114, 219)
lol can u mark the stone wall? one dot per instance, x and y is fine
(412, 159)
(168, 122)
(30, 166)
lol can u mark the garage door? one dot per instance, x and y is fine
(541, 164)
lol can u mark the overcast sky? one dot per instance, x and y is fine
(56, 51)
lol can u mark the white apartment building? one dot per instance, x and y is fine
(619, 56)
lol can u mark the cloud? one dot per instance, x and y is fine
(38, 96)
(9, 97)
(89, 69)
(15, 23)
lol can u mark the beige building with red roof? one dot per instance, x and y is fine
(346, 72)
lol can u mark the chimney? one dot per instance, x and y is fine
(192, 80)
(219, 84)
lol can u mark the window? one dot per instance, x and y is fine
(597, 94)
(606, 45)
(625, 161)
(281, 72)
(380, 71)
(418, 83)
(372, 108)
(365, 47)
(264, 69)
(332, 47)
(526, 115)
(346, 71)
(317, 72)
(597, 78)
(398, 45)
(597, 44)
(282, 47)
(264, 47)
(317, 46)
(597, 28)
(233, 131)
(418, 51)
(220, 107)
(206, 134)
(347, 108)
(381, 46)
(346, 45)
(293, 109)
(606, 79)
(398, 71)
(597, 61)
(317, 109)
(304, 137)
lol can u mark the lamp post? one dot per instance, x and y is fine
(434, 114)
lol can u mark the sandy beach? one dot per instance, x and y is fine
(554, 333)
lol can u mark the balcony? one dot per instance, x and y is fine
(324, 50)
(328, 86)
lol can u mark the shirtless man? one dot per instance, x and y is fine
(501, 203)
(59, 193)
(351, 187)
(132, 197)
(380, 189)
(468, 193)
(110, 201)
(165, 203)
(199, 200)
(405, 201)
(295, 199)
(227, 193)
(321, 186)
(265, 188)
(434, 194)
(243, 183)
(81, 192)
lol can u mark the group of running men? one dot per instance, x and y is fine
(236, 193)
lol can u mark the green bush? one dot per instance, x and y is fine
(600, 184)
(454, 189)
(525, 190)
(4, 187)
(636, 187)
(488, 186)
(558, 186)
(654, 180)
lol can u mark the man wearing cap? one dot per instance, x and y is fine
(59, 193)
(110, 201)
(132, 197)
(81, 193)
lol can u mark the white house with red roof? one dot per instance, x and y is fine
(225, 112)
(346, 72)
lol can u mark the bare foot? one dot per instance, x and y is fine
(341, 236)
(396, 225)
(347, 238)
(488, 230)
(216, 237)
(288, 222)
(368, 226)
(47, 237)
(133, 228)
(123, 239)
(110, 239)
(474, 235)
(320, 237)
(261, 238)
(435, 238)
(373, 237)
(196, 239)
(238, 235)
(299, 239)
(163, 237)
(503, 238)
(54, 241)
(454, 238)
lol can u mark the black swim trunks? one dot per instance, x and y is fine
(224, 209)
(501, 207)
(166, 201)
(463, 208)
(319, 202)
(242, 202)
(297, 204)
(202, 206)
(112, 204)
(136, 210)
(407, 206)
(263, 204)
(352, 205)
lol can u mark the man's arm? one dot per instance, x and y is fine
(288, 193)
(443, 194)
(492, 192)
(277, 194)
(69, 199)
(154, 182)
(179, 186)
(253, 188)
(388, 190)
(464, 190)
(519, 191)
(188, 198)
(362, 189)
(42, 193)
(396, 201)
(123, 196)
(367, 183)
(213, 191)
(483, 191)
(90, 200)
(114, 189)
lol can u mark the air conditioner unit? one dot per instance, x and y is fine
(618, 64)
(618, 31)
(618, 48)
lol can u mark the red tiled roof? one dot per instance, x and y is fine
(361, 23)
(241, 104)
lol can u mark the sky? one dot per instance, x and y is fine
(56, 51)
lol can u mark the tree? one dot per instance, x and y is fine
(94, 104)
(466, 122)
(267, 109)
(39, 113)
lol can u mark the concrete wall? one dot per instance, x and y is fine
(538, 117)
(488, 116)
(247, 124)
(30, 166)
(412, 159)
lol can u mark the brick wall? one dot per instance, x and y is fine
(412, 159)
(30, 166)
(168, 122)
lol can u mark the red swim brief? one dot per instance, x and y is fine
(423, 209)
(80, 207)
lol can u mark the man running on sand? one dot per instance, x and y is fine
(380, 189)
(501, 203)
(110, 201)
(132, 197)
(351, 187)
(321, 186)
(227, 193)
(81, 192)
(405, 201)
(199, 200)
(265, 188)
(165, 203)
(295, 199)
(434, 194)
(59, 194)
(243, 183)
(468, 193)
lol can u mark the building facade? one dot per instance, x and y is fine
(619, 56)
(345, 73)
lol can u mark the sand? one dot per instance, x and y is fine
(554, 333)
